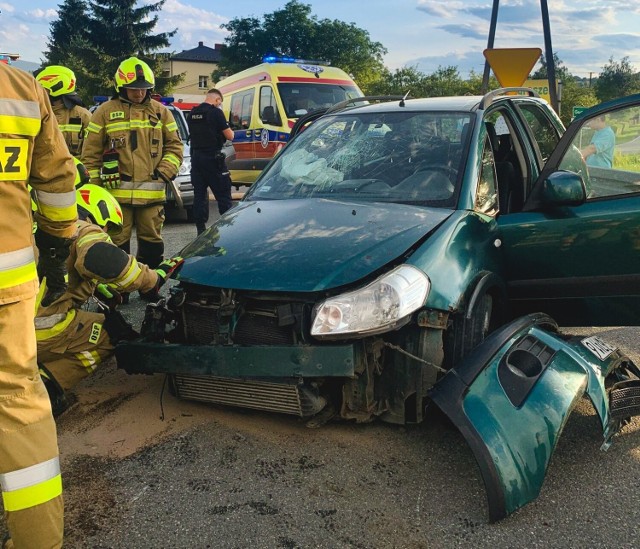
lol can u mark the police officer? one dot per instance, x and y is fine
(209, 130)
(133, 148)
(72, 342)
(32, 152)
(72, 117)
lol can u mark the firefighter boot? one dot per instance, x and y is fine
(60, 401)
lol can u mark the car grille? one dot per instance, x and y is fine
(286, 397)
(260, 329)
(257, 322)
(201, 322)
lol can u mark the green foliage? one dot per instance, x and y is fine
(293, 32)
(445, 81)
(561, 71)
(617, 79)
(574, 95)
(93, 38)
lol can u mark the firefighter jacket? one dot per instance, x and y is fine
(146, 139)
(93, 259)
(32, 152)
(73, 124)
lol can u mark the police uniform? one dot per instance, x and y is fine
(72, 342)
(145, 137)
(208, 166)
(32, 152)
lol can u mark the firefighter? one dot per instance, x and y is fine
(72, 342)
(72, 117)
(32, 152)
(133, 148)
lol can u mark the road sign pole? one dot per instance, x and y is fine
(492, 35)
(548, 53)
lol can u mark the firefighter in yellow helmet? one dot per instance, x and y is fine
(72, 117)
(72, 342)
(132, 148)
(32, 153)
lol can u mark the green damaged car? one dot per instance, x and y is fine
(408, 253)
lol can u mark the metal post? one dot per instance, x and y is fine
(492, 35)
(548, 53)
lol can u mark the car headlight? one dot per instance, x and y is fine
(377, 307)
(185, 167)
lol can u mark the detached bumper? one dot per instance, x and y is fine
(237, 361)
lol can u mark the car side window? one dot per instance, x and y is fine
(606, 153)
(542, 129)
(487, 192)
(268, 107)
(240, 111)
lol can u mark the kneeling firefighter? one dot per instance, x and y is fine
(72, 342)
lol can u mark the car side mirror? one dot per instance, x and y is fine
(563, 189)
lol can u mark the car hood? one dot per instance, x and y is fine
(304, 245)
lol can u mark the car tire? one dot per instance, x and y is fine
(189, 211)
(468, 331)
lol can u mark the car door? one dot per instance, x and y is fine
(240, 121)
(578, 258)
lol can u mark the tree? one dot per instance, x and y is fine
(294, 32)
(67, 33)
(562, 72)
(617, 79)
(110, 31)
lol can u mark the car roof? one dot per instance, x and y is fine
(461, 103)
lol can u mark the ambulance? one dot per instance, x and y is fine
(262, 104)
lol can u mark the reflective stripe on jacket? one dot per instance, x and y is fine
(52, 320)
(33, 152)
(32, 485)
(73, 125)
(146, 139)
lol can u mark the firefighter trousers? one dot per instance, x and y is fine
(76, 352)
(148, 221)
(29, 464)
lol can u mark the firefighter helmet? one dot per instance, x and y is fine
(99, 206)
(134, 73)
(57, 80)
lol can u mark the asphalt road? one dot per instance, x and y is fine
(142, 469)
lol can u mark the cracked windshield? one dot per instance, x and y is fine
(411, 158)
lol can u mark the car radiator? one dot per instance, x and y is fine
(259, 325)
(285, 397)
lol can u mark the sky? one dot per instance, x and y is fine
(425, 34)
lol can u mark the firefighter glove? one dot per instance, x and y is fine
(110, 173)
(54, 252)
(110, 297)
(118, 327)
(167, 268)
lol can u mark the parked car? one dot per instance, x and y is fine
(183, 179)
(362, 273)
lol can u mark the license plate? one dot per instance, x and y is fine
(598, 347)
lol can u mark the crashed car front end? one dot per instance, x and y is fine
(296, 355)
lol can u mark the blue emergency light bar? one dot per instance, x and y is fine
(277, 59)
